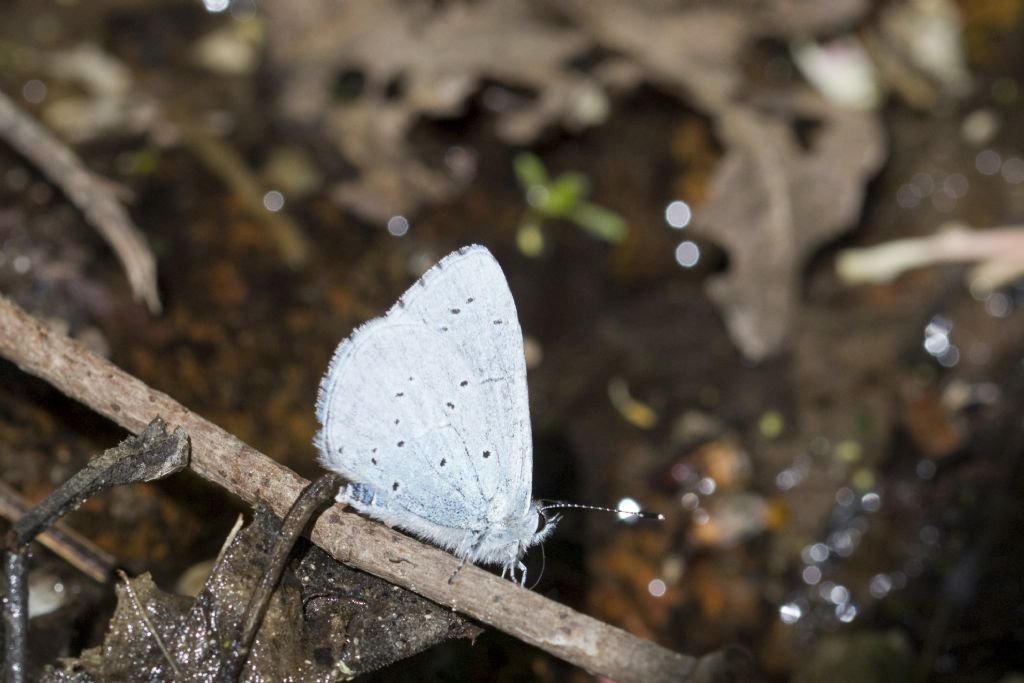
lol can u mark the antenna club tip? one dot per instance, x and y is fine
(643, 514)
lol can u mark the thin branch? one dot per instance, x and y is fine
(15, 613)
(314, 498)
(358, 542)
(153, 454)
(62, 540)
(999, 253)
(221, 159)
(88, 193)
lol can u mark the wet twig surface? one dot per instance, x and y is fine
(225, 460)
(153, 454)
(313, 499)
(61, 540)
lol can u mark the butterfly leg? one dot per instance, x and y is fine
(522, 568)
(451, 579)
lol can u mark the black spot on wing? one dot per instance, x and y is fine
(487, 454)
(456, 311)
(443, 462)
(394, 487)
(401, 443)
(373, 460)
(469, 300)
(463, 383)
(451, 406)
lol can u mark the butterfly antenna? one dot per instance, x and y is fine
(642, 514)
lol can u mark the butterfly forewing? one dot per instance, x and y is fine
(429, 402)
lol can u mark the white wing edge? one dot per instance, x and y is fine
(325, 393)
(410, 294)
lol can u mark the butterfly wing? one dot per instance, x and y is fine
(430, 401)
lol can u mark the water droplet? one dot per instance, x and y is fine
(687, 254)
(811, 575)
(988, 162)
(398, 226)
(628, 505)
(273, 201)
(678, 214)
(790, 613)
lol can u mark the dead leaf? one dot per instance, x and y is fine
(774, 202)
(420, 59)
(775, 198)
(352, 621)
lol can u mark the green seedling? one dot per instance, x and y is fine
(563, 197)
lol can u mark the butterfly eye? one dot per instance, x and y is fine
(542, 522)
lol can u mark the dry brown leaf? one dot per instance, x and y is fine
(774, 202)
(419, 59)
(774, 199)
(354, 622)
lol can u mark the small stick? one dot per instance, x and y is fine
(62, 540)
(91, 196)
(151, 455)
(312, 499)
(15, 614)
(999, 250)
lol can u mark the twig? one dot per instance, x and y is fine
(313, 498)
(999, 253)
(226, 163)
(90, 195)
(228, 462)
(15, 613)
(63, 541)
(151, 455)
(154, 454)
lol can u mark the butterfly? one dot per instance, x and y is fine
(425, 412)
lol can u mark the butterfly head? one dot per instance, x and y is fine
(543, 523)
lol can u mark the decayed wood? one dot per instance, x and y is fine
(225, 460)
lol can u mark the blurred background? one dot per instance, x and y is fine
(766, 257)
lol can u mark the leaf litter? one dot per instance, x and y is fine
(775, 198)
